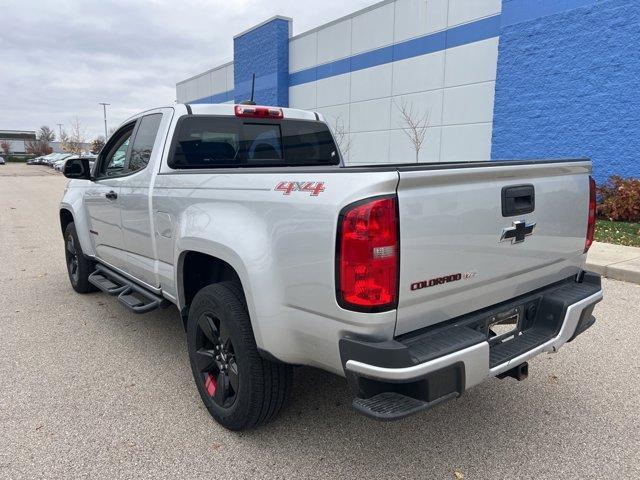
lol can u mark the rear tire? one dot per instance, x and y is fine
(240, 389)
(78, 266)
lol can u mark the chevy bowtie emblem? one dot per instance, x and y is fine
(518, 232)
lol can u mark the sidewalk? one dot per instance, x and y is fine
(615, 261)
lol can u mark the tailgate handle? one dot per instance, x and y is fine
(518, 200)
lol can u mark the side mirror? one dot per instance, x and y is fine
(77, 168)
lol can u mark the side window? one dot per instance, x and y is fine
(112, 164)
(143, 142)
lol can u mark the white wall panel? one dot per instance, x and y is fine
(180, 93)
(334, 42)
(401, 149)
(334, 90)
(475, 62)
(416, 74)
(371, 115)
(422, 105)
(373, 29)
(303, 52)
(303, 96)
(218, 81)
(230, 78)
(464, 11)
(192, 90)
(369, 147)
(337, 115)
(466, 142)
(414, 18)
(204, 85)
(468, 104)
(374, 82)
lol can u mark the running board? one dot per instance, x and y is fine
(134, 297)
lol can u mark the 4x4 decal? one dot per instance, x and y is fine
(314, 188)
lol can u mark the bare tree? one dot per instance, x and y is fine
(37, 147)
(415, 125)
(6, 147)
(74, 142)
(341, 135)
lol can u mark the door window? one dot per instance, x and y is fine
(113, 163)
(143, 142)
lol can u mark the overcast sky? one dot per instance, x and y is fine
(59, 59)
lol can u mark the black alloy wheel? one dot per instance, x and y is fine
(72, 259)
(215, 359)
(239, 387)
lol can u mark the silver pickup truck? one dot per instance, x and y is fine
(414, 281)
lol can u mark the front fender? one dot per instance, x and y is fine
(72, 201)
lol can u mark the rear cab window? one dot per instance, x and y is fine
(208, 141)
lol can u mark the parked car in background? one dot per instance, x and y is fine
(51, 159)
(57, 157)
(2, 162)
(45, 159)
(58, 164)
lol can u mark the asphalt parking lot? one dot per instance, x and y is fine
(91, 390)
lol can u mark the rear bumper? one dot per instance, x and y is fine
(441, 362)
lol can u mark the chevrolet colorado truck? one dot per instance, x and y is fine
(416, 282)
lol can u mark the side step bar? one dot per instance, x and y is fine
(134, 297)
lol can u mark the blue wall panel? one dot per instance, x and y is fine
(568, 85)
(264, 51)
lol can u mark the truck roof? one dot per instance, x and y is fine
(229, 109)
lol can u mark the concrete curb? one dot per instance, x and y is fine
(615, 261)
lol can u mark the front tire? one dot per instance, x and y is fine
(78, 266)
(240, 389)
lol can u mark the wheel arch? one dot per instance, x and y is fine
(197, 269)
(66, 217)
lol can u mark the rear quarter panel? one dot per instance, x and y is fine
(281, 246)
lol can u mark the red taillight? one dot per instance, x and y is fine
(591, 223)
(367, 255)
(253, 111)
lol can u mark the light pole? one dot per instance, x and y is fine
(104, 109)
(59, 132)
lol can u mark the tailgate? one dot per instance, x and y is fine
(452, 259)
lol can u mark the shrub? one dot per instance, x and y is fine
(620, 199)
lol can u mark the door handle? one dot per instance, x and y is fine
(111, 195)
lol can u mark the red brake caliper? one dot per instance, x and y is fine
(210, 384)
